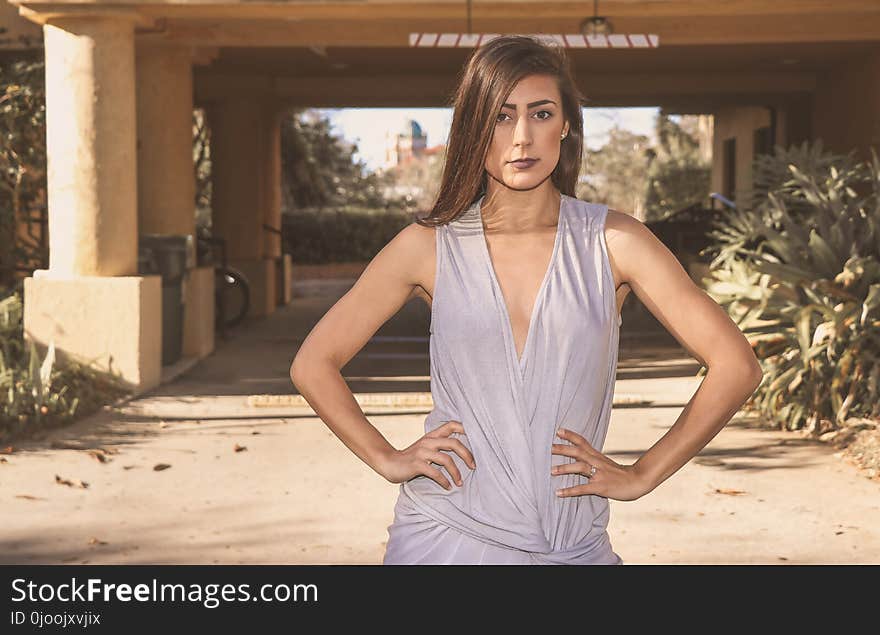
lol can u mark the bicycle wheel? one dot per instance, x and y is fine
(233, 296)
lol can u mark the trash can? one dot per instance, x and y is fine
(170, 256)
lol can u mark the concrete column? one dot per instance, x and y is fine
(846, 114)
(90, 145)
(90, 302)
(272, 200)
(246, 173)
(272, 181)
(166, 181)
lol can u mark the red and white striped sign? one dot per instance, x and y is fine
(568, 40)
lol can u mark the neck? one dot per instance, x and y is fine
(506, 209)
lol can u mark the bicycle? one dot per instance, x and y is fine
(232, 290)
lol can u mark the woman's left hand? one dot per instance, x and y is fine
(611, 480)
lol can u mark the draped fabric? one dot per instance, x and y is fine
(507, 510)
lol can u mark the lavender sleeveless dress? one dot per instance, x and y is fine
(506, 511)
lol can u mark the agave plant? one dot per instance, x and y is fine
(799, 271)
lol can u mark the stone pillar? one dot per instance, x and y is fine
(272, 200)
(91, 301)
(166, 181)
(90, 146)
(846, 113)
(246, 173)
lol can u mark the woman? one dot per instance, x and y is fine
(526, 283)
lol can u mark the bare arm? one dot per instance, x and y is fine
(702, 327)
(385, 285)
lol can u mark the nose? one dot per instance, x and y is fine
(522, 135)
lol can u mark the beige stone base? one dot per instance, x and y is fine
(112, 323)
(198, 313)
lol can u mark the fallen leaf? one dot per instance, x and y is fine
(255, 432)
(99, 455)
(731, 492)
(7, 450)
(73, 483)
(239, 448)
(3, 460)
(128, 467)
(161, 466)
(29, 497)
(783, 558)
(95, 541)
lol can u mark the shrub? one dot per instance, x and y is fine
(799, 271)
(37, 394)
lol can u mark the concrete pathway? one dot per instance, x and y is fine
(253, 478)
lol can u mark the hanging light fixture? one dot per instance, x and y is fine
(597, 25)
(595, 32)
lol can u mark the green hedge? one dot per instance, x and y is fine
(340, 235)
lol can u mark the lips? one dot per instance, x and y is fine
(523, 163)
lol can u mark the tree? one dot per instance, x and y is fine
(319, 169)
(679, 176)
(617, 173)
(22, 167)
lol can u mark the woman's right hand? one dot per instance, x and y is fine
(416, 460)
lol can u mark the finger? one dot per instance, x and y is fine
(578, 467)
(446, 429)
(461, 449)
(577, 490)
(448, 443)
(446, 461)
(573, 437)
(567, 450)
(437, 475)
(453, 426)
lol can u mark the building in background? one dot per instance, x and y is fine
(409, 142)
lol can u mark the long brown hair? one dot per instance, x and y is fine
(487, 79)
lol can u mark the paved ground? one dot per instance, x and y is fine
(292, 493)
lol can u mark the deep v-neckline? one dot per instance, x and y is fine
(539, 296)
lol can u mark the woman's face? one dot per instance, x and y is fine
(529, 125)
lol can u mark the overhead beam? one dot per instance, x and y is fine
(410, 90)
(356, 23)
(378, 11)
(686, 30)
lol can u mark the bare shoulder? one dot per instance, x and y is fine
(634, 249)
(621, 234)
(413, 250)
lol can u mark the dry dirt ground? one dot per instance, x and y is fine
(223, 466)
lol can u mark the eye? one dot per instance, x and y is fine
(546, 112)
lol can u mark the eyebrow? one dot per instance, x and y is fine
(531, 105)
